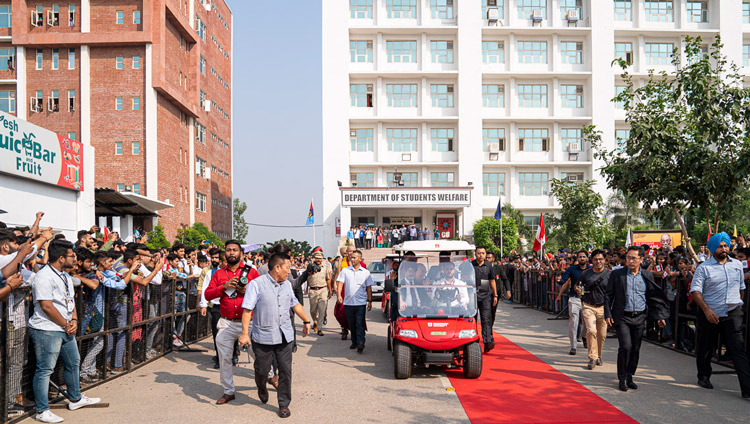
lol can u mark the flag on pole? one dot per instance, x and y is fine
(541, 235)
(629, 239)
(310, 216)
(709, 230)
(105, 232)
(499, 210)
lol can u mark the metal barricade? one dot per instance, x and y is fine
(135, 327)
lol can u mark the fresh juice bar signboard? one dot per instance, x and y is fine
(30, 151)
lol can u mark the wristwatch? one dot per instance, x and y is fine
(306, 322)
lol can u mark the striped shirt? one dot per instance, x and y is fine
(720, 284)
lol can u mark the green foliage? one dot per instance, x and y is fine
(580, 219)
(523, 229)
(195, 235)
(487, 234)
(239, 225)
(157, 239)
(298, 247)
(689, 145)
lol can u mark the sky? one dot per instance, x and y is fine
(277, 115)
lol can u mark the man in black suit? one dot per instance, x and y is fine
(631, 294)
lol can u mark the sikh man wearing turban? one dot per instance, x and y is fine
(718, 288)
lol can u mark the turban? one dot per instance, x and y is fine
(716, 239)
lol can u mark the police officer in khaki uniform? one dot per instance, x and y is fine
(319, 289)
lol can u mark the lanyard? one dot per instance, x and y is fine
(66, 288)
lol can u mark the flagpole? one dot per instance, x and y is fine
(313, 226)
(502, 252)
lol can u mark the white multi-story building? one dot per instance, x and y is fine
(434, 109)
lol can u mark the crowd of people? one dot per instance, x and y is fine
(369, 236)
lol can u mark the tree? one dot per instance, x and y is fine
(487, 234)
(689, 145)
(157, 239)
(580, 216)
(239, 225)
(195, 236)
(298, 247)
(523, 229)
(622, 211)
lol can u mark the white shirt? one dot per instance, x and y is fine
(355, 285)
(157, 278)
(6, 259)
(49, 284)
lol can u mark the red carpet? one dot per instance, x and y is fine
(517, 387)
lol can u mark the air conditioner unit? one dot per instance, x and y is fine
(494, 147)
(494, 156)
(574, 147)
(207, 106)
(536, 15)
(493, 15)
(573, 15)
(572, 178)
(207, 5)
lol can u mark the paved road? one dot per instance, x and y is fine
(333, 382)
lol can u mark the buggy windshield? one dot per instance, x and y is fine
(435, 287)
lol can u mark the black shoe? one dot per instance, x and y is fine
(353, 346)
(572, 352)
(216, 365)
(630, 384)
(235, 360)
(284, 412)
(325, 321)
(263, 395)
(215, 358)
(623, 386)
(705, 383)
(746, 396)
(294, 348)
(599, 362)
(487, 348)
(592, 364)
(360, 348)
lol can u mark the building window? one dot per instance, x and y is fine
(136, 16)
(493, 95)
(532, 95)
(119, 17)
(441, 9)
(572, 52)
(118, 103)
(659, 53)
(442, 51)
(702, 54)
(136, 147)
(72, 15)
(7, 58)
(493, 183)
(441, 179)
(659, 11)
(8, 101)
(39, 58)
(746, 55)
(137, 188)
(527, 7)
(401, 51)
(136, 103)
(493, 139)
(360, 51)
(118, 62)
(618, 90)
(361, 95)
(401, 95)
(53, 102)
(621, 139)
(71, 100)
(120, 187)
(572, 96)
(200, 201)
(493, 52)
(624, 51)
(567, 5)
(72, 135)
(442, 95)
(136, 62)
(360, 9)
(363, 179)
(623, 10)
(55, 59)
(200, 132)
(442, 139)
(532, 222)
(571, 139)
(408, 179)
(200, 28)
(200, 167)
(401, 9)
(118, 147)
(533, 140)
(746, 12)
(72, 59)
(498, 4)
(697, 11)
(53, 16)
(203, 65)
(533, 183)
(532, 52)
(6, 16)
(401, 139)
(37, 102)
(361, 139)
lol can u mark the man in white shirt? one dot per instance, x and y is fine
(356, 283)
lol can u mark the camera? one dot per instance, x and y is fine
(243, 276)
(313, 268)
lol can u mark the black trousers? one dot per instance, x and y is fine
(486, 317)
(494, 312)
(265, 355)
(730, 328)
(630, 335)
(215, 313)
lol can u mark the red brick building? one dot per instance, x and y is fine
(147, 83)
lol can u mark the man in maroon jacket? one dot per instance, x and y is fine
(229, 283)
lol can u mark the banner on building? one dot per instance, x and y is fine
(30, 151)
(394, 198)
(657, 238)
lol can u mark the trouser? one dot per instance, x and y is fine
(574, 321)
(180, 298)
(17, 345)
(485, 311)
(318, 305)
(88, 367)
(215, 313)
(226, 338)
(153, 327)
(355, 315)
(281, 354)
(629, 336)
(730, 328)
(596, 329)
(48, 346)
(116, 340)
(494, 312)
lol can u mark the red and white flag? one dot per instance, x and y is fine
(541, 235)
(105, 232)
